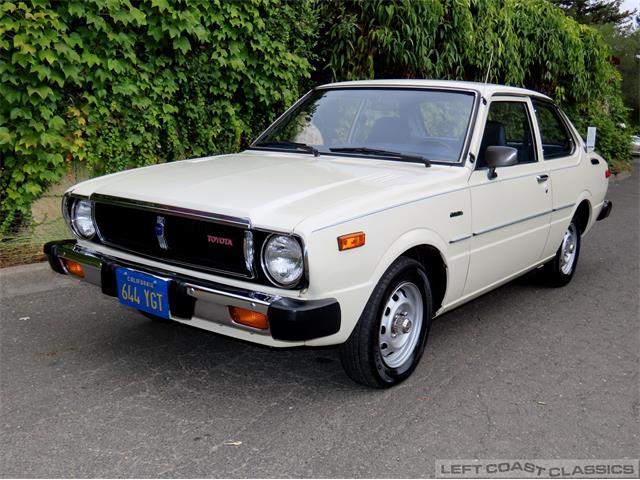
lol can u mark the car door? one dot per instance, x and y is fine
(511, 212)
(561, 154)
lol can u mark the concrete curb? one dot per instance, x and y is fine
(28, 268)
(30, 279)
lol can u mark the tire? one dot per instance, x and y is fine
(387, 343)
(559, 271)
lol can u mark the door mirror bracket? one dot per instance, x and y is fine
(499, 156)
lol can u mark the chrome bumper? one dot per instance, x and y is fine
(289, 319)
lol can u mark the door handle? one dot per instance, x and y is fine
(595, 161)
(542, 178)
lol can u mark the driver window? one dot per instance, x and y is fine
(508, 125)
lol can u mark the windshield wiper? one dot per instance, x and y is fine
(299, 146)
(384, 153)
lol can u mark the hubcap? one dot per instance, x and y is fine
(568, 249)
(400, 324)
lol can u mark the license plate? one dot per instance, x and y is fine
(143, 291)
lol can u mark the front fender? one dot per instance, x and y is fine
(354, 295)
(407, 241)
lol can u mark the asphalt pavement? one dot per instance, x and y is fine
(90, 388)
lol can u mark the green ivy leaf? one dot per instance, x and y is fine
(6, 137)
(47, 55)
(161, 5)
(182, 44)
(57, 123)
(43, 91)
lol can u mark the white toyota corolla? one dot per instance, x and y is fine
(363, 212)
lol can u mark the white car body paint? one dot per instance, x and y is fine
(509, 225)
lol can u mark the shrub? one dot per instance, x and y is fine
(118, 84)
(533, 43)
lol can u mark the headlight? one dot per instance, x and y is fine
(81, 219)
(283, 260)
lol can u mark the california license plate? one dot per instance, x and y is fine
(143, 291)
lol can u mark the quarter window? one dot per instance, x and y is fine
(556, 139)
(508, 125)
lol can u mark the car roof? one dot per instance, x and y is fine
(487, 89)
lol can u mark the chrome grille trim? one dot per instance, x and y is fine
(169, 209)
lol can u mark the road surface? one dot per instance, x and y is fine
(90, 388)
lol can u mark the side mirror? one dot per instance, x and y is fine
(591, 139)
(499, 156)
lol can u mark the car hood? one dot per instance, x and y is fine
(276, 190)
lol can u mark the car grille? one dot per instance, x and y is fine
(199, 243)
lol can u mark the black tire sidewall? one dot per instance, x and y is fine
(413, 272)
(562, 278)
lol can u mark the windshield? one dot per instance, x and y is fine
(427, 124)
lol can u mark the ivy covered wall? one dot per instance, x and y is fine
(534, 45)
(115, 84)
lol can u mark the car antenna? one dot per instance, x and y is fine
(486, 78)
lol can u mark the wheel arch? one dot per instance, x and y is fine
(434, 264)
(583, 213)
(426, 247)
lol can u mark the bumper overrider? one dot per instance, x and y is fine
(289, 319)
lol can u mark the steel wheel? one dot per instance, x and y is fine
(401, 324)
(387, 343)
(568, 249)
(559, 271)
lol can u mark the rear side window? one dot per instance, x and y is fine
(556, 139)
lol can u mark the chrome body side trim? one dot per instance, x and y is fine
(508, 224)
(460, 239)
(563, 207)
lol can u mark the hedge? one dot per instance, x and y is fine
(117, 84)
(533, 43)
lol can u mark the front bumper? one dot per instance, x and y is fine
(605, 210)
(290, 319)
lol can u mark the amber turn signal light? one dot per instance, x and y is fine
(74, 268)
(351, 240)
(249, 318)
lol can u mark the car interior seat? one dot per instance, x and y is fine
(390, 130)
(494, 135)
